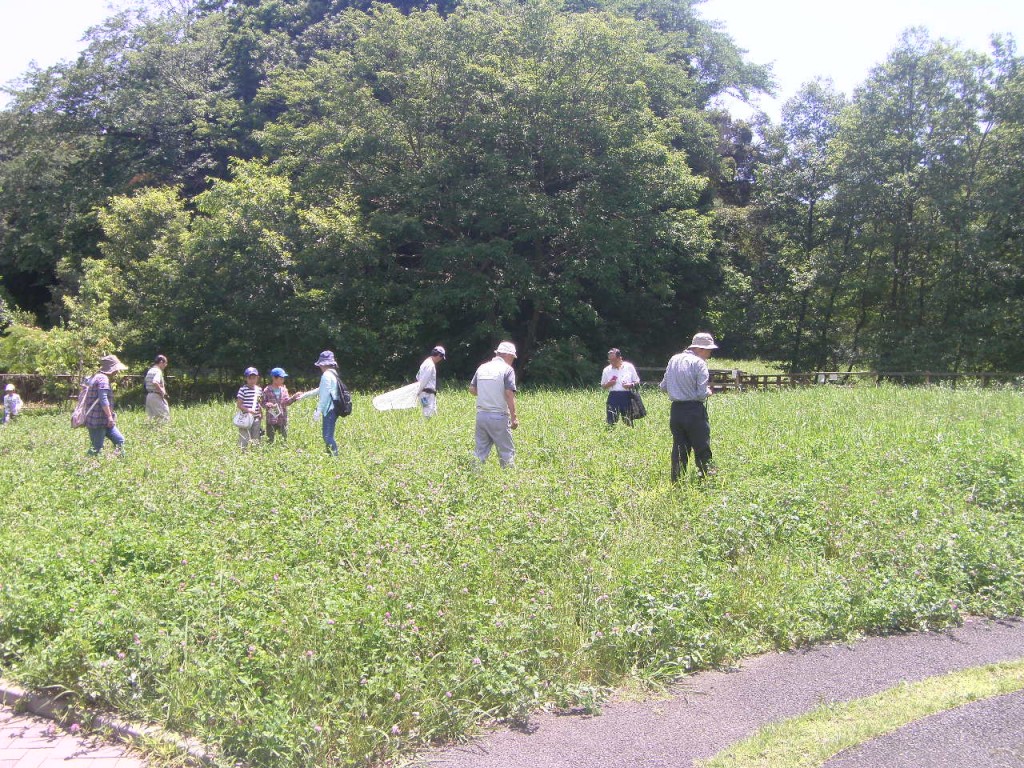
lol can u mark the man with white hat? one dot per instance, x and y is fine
(427, 377)
(494, 385)
(688, 383)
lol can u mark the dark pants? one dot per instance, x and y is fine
(690, 430)
(618, 405)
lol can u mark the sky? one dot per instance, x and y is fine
(838, 39)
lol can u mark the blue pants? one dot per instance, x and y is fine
(618, 405)
(97, 434)
(690, 430)
(329, 421)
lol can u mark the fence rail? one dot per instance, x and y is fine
(736, 380)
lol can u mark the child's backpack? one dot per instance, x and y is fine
(342, 404)
(79, 415)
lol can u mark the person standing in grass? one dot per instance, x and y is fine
(427, 377)
(619, 378)
(494, 385)
(688, 384)
(248, 402)
(275, 402)
(156, 392)
(12, 403)
(330, 392)
(100, 419)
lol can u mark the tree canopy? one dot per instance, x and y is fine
(255, 181)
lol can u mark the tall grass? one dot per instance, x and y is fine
(301, 611)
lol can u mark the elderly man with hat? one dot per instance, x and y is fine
(494, 385)
(427, 377)
(100, 419)
(688, 384)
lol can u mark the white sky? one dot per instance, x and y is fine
(844, 40)
(803, 39)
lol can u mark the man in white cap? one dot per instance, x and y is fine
(494, 385)
(688, 383)
(427, 377)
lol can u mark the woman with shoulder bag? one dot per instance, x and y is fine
(100, 419)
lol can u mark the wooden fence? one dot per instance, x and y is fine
(735, 380)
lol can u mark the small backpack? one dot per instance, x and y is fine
(343, 403)
(79, 415)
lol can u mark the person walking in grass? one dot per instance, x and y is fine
(688, 384)
(427, 377)
(12, 403)
(247, 401)
(275, 401)
(618, 379)
(100, 418)
(156, 392)
(494, 386)
(330, 393)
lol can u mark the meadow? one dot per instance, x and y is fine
(294, 610)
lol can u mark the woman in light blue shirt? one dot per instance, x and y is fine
(330, 390)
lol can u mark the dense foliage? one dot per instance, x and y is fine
(296, 611)
(273, 177)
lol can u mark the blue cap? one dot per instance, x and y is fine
(278, 372)
(250, 371)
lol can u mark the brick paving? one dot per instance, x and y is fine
(31, 742)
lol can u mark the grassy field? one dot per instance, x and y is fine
(300, 611)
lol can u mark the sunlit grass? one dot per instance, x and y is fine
(297, 610)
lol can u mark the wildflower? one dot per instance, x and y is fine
(330, 622)
(448, 694)
(395, 730)
(310, 654)
(137, 639)
(476, 661)
(120, 654)
(363, 681)
(75, 728)
(318, 728)
(398, 696)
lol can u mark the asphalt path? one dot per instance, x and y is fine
(712, 710)
(985, 734)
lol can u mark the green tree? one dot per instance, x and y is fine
(512, 171)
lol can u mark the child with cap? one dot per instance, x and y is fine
(275, 401)
(248, 404)
(12, 404)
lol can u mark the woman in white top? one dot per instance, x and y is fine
(619, 378)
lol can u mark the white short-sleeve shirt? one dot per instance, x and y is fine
(627, 375)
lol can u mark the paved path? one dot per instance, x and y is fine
(986, 734)
(713, 710)
(31, 742)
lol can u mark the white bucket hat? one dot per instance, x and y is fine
(506, 348)
(703, 341)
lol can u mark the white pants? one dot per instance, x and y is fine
(157, 408)
(428, 403)
(494, 429)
